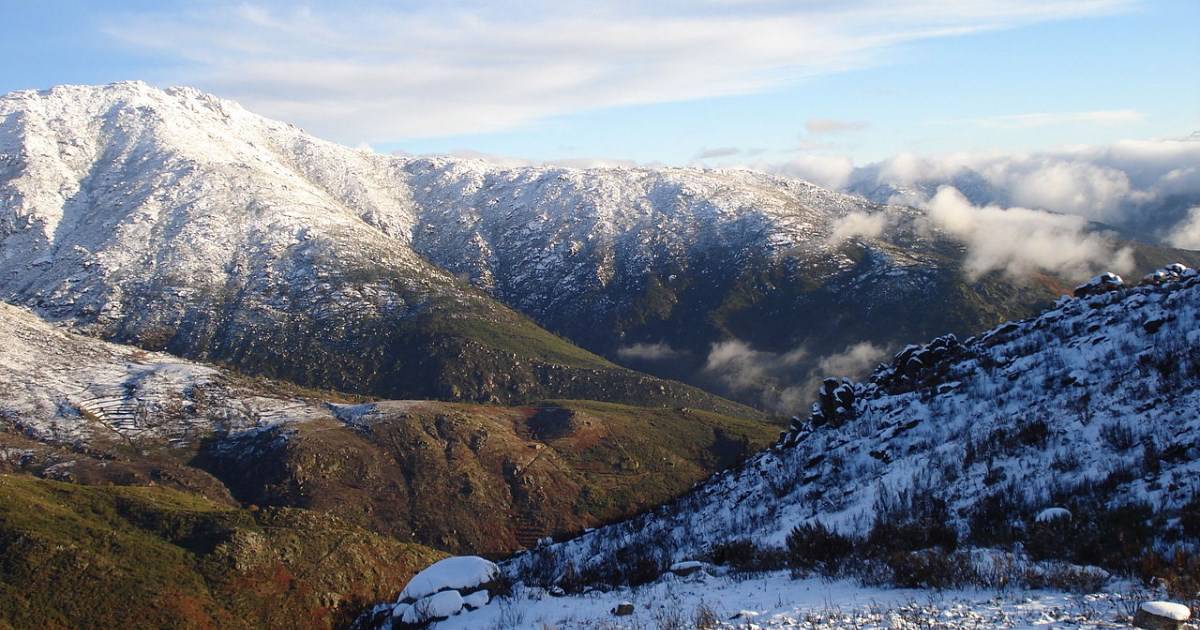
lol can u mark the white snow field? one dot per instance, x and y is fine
(776, 600)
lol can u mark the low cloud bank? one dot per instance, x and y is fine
(1186, 234)
(857, 225)
(782, 380)
(1020, 241)
(1142, 186)
(649, 352)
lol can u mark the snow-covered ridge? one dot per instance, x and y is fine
(1101, 391)
(64, 388)
(109, 191)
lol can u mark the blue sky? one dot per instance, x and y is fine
(738, 81)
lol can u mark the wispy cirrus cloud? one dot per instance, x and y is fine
(385, 72)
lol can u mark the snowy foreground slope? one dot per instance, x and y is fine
(1099, 389)
(1024, 439)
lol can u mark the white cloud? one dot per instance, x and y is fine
(829, 125)
(742, 368)
(828, 171)
(785, 381)
(417, 70)
(1186, 234)
(856, 361)
(857, 224)
(649, 352)
(1020, 241)
(1139, 185)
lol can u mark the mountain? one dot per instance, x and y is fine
(659, 267)
(1071, 436)
(176, 220)
(460, 477)
(181, 222)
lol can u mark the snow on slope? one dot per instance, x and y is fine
(1100, 391)
(64, 388)
(108, 191)
(541, 238)
(109, 194)
(113, 193)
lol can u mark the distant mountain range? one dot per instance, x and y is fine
(178, 221)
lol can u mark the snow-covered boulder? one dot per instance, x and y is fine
(1161, 615)
(1053, 514)
(1170, 273)
(687, 567)
(444, 589)
(1102, 283)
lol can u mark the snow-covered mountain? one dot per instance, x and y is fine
(180, 221)
(1089, 411)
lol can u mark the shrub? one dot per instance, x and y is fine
(744, 556)
(705, 617)
(930, 568)
(911, 520)
(1118, 436)
(1066, 577)
(816, 547)
(1180, 572)
(993, 522)
(1189, 518)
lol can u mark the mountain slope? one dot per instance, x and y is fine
(1090, 406)
(181, 222)
(96, 557)
(461, 477)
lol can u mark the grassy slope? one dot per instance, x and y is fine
(147, 557)
(470, 477)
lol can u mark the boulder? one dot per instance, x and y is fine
(444, 589)
(624, 609)
(433, 607)
(687, 567)
(1161, 616)
(1053, 514)
(1102, 283)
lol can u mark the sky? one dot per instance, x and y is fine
(717, 83)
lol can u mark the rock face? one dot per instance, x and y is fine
(1161, 616)
(444, 589)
